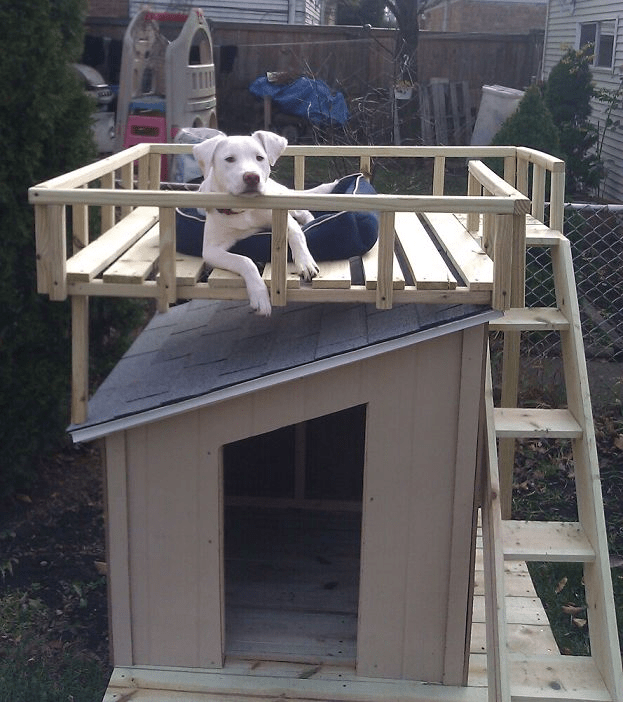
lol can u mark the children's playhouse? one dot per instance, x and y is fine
(315, 505)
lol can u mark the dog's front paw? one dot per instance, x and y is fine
(259, 299)
(307, 267)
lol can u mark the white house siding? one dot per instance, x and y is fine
(265, 11)
(562, 31)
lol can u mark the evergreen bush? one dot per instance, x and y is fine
(568, 92)
(531, 125)
(45, 118)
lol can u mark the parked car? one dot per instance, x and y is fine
(104, 116)
(95, 85)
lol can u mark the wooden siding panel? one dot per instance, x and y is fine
(117, 547)
(405, 599)
(170, 547)
(176, 551)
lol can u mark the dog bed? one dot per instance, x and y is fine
(331, 236)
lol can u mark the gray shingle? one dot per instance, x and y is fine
(203, 346)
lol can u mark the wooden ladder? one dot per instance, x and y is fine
(555, 677)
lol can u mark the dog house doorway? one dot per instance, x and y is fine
(293, 538)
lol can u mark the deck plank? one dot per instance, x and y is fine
(138, 262)
(472, 263)
(426, 265)
(370, 262)
(90, 261)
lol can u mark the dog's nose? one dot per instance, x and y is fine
(251, 179)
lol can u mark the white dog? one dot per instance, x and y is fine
(240, 165)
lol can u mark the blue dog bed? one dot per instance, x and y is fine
(331, 236)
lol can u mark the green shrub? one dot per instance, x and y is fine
(45, 117)
(568, 92)
(531, 125)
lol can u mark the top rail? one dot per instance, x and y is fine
(93, 171)
(40, 195)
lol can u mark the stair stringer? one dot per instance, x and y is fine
(604, 664)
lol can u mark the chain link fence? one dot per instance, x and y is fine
(596, 236)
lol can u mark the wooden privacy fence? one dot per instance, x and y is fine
(359, 61)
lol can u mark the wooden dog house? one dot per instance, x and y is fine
(205, 377)
(293, 502)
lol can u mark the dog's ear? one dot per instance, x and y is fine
(272, 143)
(204, 153)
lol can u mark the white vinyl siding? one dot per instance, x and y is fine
(263, 11)
(565, 22)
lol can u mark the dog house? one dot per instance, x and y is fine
(300, 489)
(292, 502)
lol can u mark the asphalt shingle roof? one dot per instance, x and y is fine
(201, 347)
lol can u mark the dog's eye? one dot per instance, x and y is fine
(230, 159)
(259, 158)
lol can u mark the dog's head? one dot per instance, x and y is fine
(239, 165)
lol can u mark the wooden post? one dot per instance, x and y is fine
(522, 176)
(143, 172)
(510, 170)
(557, 201)
(108, 211)
(279, 258)
(538, 192)
(474, 189)
(155, 167)
(127, 182)
(166, 274)
(79, 358)
(365, 165)
(511, 361)
(299, 172)
(51, 243)
(385, 285)
(439, 175)
(502, 255)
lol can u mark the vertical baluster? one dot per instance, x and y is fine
(385, 285)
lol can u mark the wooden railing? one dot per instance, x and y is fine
(126, 190)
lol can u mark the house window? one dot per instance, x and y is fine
(601, 36)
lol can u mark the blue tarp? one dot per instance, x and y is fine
(311, 99)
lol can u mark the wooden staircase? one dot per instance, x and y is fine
(555, 677)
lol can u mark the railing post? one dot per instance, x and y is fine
(385, 284)
(439, 175)
(79, 358)
(538, 192)
(279, 258)
(299, 172)
(51, 244)
(502, 257)
(108, 211)
(511, 361)
(474, 189)
(365, 165)
(166, 265)
(557, 201)
(127, 183)
(155, 167)
(522, 176)
(143, 172)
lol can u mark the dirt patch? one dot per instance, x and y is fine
(52, 545)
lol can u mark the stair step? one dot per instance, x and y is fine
(513, 422)
(545, 541)
(530, 319)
